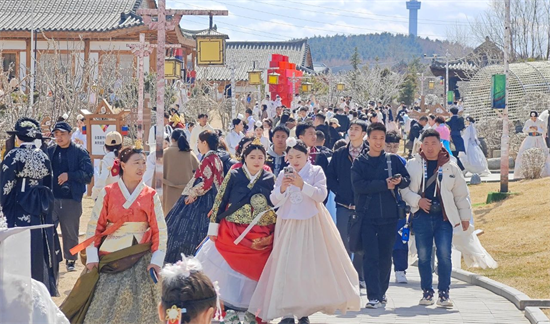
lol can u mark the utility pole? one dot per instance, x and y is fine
(447, 80)
(33, 50)
(161, 24)
(233, 89)
(504, 163)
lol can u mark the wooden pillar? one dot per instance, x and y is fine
(86, 61)
(28, 62)
(152, 60)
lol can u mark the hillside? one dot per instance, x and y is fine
(335, 51)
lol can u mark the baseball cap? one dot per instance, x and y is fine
(113, 138)
(62, 126)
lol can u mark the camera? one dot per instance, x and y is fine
(66, 189)
(402, 209)
(435, 208)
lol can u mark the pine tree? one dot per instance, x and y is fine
(355, 60)
(408, 89)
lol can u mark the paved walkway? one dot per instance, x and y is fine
(473, 304)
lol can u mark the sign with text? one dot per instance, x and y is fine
(98, 138)
(498, 91)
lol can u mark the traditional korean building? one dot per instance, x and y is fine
(465, 68)
(88, 27)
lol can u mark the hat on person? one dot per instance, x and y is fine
(80, 117)
(113, 138)
(27, 128)
(62, 126)
(334, 121)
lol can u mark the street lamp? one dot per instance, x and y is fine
(273, 78)
(306, 86)
(254, 77)
(431, 84)
(340, 86)
(172, 68)
(210, 46)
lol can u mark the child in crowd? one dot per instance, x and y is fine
(188, 296)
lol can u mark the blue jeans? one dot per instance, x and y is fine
(427, 230)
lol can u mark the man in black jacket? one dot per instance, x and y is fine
(320, 125)
(339, 182)
(376, 205)
(414, 133)
(72, 170)
(306, 133)
(343, 120)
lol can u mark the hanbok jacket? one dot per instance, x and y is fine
(301, 204)
(129, 219)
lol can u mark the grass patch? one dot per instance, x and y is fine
(517, 234)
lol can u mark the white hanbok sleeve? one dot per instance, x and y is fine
(317, 190)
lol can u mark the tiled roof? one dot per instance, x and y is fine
(244, 53)
(69, 15)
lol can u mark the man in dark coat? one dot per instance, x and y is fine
(72, 170)
(456, 124)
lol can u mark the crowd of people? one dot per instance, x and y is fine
(255, 217)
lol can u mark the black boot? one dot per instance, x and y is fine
(303, 320)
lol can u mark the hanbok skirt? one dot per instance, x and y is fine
(188, 225)
(528, 143)
(129, 296)
(475, 161)
(236, 268)
(472, 251)
(308, 271)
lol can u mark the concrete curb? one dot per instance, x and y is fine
(521, 300)
(536, 316)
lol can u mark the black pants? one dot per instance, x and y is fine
(342, 222)
(378, 240)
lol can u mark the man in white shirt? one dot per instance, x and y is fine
(266, 102)
(234, 137)
(250, 121)
(199, 128)
(78, 137)
(153, 131)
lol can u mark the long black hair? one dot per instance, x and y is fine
(179, 136)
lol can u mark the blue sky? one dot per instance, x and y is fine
(286, 19)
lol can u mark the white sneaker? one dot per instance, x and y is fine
(401, 277)
(444, 300)
(374, 303)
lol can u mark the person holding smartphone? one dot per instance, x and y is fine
(376, 205)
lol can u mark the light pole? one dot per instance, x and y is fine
(504, 165)
(447, 79)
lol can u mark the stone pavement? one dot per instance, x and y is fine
(473, 304)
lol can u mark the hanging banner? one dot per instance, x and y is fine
(498, 91)
(450, 97)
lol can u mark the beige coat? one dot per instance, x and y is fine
(179, 168)
(454, 190)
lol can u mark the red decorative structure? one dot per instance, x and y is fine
(287, 71)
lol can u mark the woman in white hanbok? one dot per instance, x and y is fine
(536, 131)
(474, 161)
(308, 270)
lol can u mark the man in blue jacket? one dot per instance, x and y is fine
(339, 182)
(376, 205)
(72, 170)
